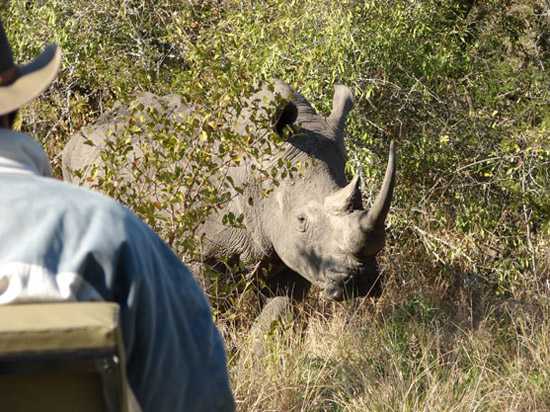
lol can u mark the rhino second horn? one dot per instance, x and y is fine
(342, 201)
(376, 216)
(342, 102)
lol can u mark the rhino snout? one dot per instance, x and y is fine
(358, 282)
(335, 293)
(336, 284)
(337, 277)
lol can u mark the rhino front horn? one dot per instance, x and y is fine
(376, 216)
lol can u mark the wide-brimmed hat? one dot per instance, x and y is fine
(21, 84)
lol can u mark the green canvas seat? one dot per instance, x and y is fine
(61, 357)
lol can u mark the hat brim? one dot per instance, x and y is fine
(33, 79)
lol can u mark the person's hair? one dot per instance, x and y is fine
(7, 120)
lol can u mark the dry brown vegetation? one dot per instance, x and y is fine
(447, 346)
(357, 360)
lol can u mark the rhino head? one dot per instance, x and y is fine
(316, 222)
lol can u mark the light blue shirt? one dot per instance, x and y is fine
(60, 242)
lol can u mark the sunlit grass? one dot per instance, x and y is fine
(369, 362)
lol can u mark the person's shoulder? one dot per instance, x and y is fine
(18, 137)
(86, 203)
(80, 204)
(81, 197)
(19, 142)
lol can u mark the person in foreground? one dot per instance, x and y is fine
(59, 242)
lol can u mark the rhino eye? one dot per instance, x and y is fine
(302, 222)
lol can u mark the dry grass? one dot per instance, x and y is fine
(410, 359)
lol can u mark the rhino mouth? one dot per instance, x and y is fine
(341, 286)
(335, 292)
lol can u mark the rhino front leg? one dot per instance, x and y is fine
(275, 310)
(282, 290)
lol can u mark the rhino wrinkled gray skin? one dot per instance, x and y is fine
(312, 225)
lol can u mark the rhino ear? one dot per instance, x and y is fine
(342, 103)
(286, 116)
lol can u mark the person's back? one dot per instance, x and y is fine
(63, 243)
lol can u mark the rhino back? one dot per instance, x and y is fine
(84, 148)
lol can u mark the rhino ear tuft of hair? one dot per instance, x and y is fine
(285, 117)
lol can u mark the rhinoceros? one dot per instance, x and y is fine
(311, 228)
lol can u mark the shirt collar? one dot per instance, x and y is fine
(20, 154)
